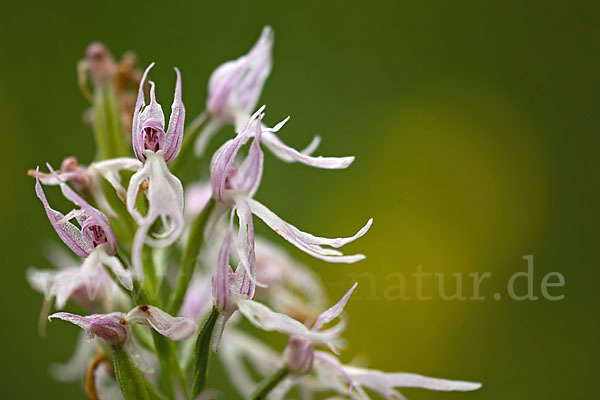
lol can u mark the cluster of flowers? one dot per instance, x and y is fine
(139, 251)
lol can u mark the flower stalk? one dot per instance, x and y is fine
(190, 256)
(129, 378)
(268, 384)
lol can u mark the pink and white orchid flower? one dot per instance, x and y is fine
(300, 358)
(114, 329)
(155, 148)
(235, 185)
(233, 92)
(94, 240)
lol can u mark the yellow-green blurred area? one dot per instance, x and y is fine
(475, 128)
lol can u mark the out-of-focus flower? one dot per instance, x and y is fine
(86, 286)
(197, 196)
(114, 329)
(291, 287)
(299, 355)
(94, 241)
(155, 148)
(100, 67)
(300, 358)
(332, 375)
(266, 319)
(198, 298)
(240, 350)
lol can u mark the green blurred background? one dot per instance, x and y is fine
(475, 127)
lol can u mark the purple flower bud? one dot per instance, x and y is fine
(299, 355)
(100, 63)
(109, 328)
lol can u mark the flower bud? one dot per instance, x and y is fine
(299, 355)
(100, 63)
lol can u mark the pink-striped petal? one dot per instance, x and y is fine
(332, 313)
(175, 328)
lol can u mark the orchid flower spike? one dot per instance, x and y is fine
(155, 148)
(114, 329)
(94, 241)
(235, 185)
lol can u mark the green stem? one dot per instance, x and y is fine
(150, 280)
(165, 359)
(203, 352)
(179, 371)
(129, 378)
(268, 384)
(190, 257)
(108, 127)
(123, 224)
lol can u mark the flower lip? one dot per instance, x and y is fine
(154, 135)
(299, 355)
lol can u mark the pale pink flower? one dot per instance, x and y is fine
(114, 329)
(155, 148)
(94, 240)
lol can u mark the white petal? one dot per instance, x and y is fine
(165, 198)
(175, 328)
(112, 262)
(110, 170)
(306, 242)
(264, 318)
(135, 353)
(289, 154)
(384, 382)
(331, 313)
